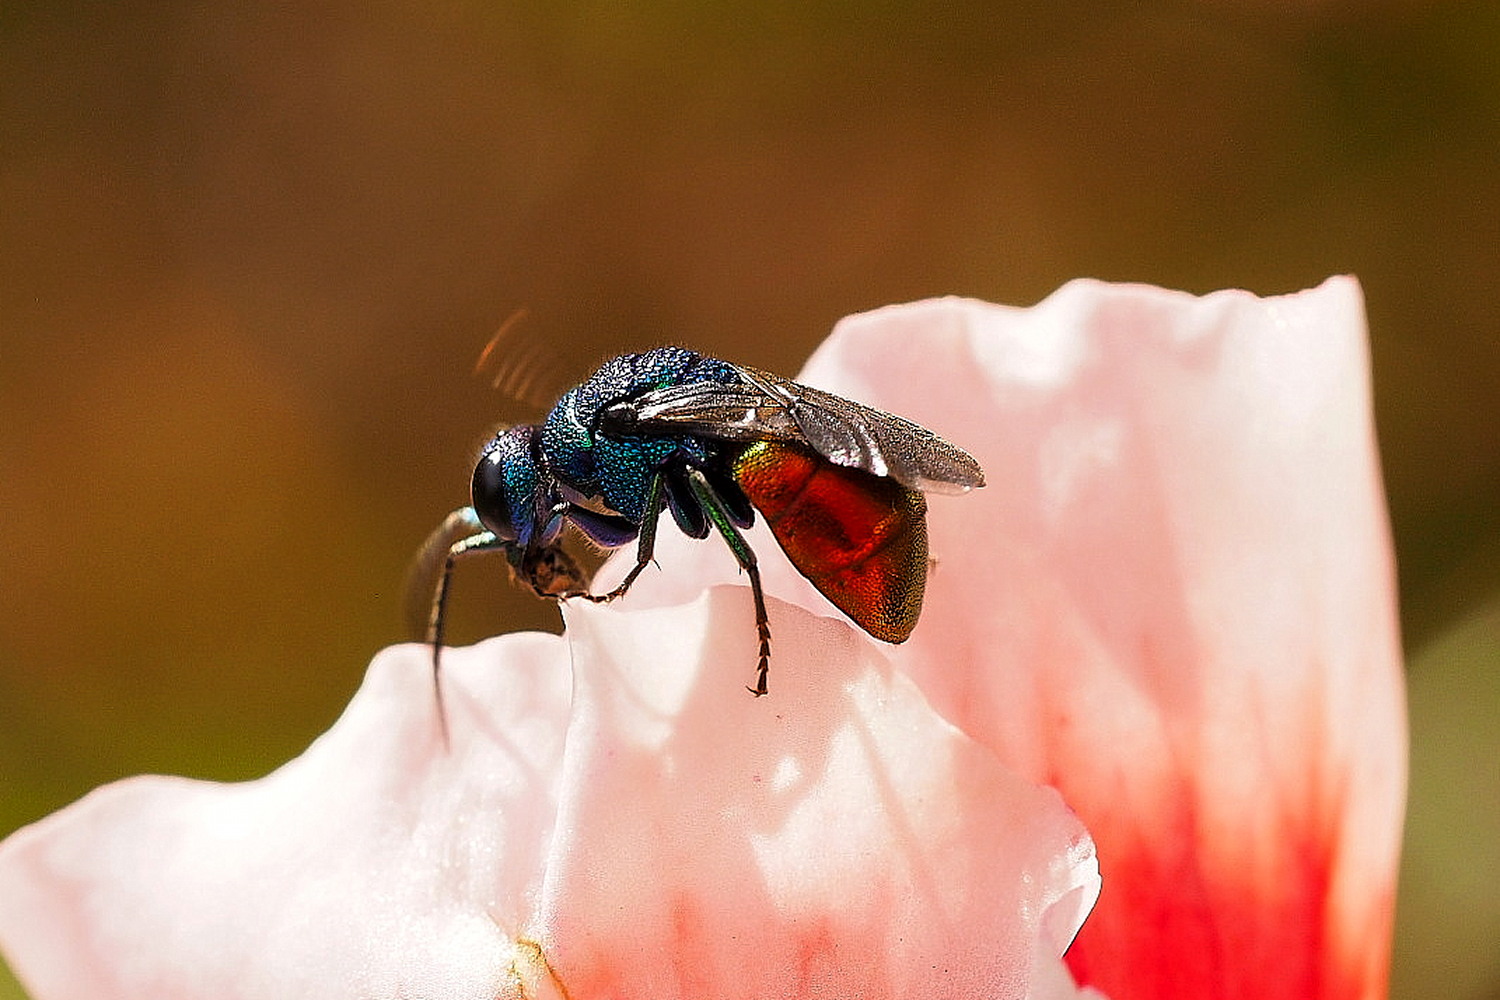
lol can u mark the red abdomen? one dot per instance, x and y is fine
(860, 538)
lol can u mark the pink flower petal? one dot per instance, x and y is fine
(659, 834)
(1174, 601)
(840, 840)
(374, 865)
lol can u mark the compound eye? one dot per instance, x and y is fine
(505, 484)
(489, 495)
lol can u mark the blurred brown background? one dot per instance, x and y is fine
(249, 255)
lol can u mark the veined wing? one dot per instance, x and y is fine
(769, 407)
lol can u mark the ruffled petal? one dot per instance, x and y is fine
(1182, 575)
(377, 864)
(839, 838)
(1174, 601)
(660, 834)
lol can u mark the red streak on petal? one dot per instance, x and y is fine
(807, 956)
(1165, 929)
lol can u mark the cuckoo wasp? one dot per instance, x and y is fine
(840, 485)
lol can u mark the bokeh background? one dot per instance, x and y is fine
(249, 254)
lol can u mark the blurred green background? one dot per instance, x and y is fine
(249, 255)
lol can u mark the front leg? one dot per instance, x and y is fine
(461, 534)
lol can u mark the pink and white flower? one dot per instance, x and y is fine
(1173, 604)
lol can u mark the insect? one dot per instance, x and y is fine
(840, 485)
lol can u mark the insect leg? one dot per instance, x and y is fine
(480, 540)
(745, 555)
(656, 498)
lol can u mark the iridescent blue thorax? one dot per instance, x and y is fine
(619, 468)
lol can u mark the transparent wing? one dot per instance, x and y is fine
(769, 407)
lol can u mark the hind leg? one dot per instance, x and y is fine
(721, 519)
